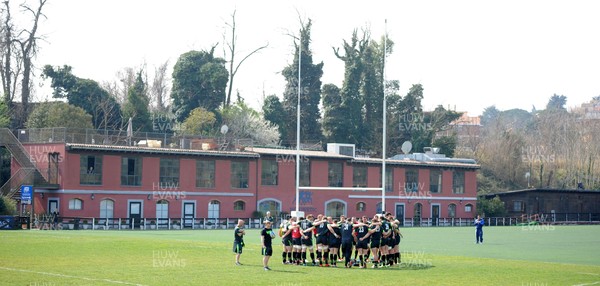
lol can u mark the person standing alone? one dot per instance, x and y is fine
(266, 237)
(238, 241)
(479, 222)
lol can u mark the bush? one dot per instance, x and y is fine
(8, 206)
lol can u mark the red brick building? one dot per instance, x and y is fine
(110, 181)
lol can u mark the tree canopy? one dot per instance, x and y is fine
(87, 94)
(199, 80)
(58, 114)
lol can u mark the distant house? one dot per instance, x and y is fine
(557, 203)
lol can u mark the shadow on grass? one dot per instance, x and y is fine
(421, 265)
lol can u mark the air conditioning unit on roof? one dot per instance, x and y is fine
(342, 149)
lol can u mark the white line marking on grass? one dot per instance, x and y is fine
(595, 274)
(70, 276)
(595, 283)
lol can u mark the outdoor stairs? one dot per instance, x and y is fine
(29, 174)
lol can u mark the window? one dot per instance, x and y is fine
(169, 173)
(106, 208)
(389, 179)
(239, 174)
(75, 204)
(458, 182)
(360, 207)
(412, 180)
(336, 175)
(90, 170)
(205, 174)
(378, 208)
(468, 208)
(347, 150)
(335, 209)
(518, 206)
(131, 171)
(269, 173)
(162, 211)
(305, 173)
(435, 181)
(359, 176)
(239, 206)
(452, 210)
(269, 206)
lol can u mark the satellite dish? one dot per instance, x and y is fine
(224, 129)
(406, 147)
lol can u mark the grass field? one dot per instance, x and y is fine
(531, 255)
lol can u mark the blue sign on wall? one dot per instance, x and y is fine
(26, 194)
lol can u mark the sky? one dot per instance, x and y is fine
(468, 55)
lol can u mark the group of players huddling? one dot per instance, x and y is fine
(379, 237)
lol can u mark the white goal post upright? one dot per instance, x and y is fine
(383, 152)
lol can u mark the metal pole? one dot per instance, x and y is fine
(383, 151)
(298, 124)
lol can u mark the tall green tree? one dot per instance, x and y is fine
(351, 129)
(87, 94)
(136, 106)
(199, 80)
(310, 92)
(273, 112)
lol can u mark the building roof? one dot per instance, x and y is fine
(416, 163)
(162, 151)
(570, 191)
(290, 152)
(256, 152)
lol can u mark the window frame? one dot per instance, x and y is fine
(205, 173)
(91, 177)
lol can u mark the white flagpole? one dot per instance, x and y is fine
(298, 125)
(383, 151)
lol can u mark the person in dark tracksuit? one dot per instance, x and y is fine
(347, 239)
(479, 222)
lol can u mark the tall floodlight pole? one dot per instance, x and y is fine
(298, 125)
(383, 153)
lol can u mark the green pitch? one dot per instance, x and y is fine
(529, 255)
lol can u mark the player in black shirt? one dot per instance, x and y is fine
(362, 242)
(307, 239)
(266, 237)
(238, 241)
(322, 240)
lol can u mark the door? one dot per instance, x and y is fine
(213, 212)
(435, 214)
(417, 214)
(400, 214)
(135, 213)
(189, 213)
(52, 206)
(53, 159)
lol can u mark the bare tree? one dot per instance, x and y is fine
(19, 49)
(159, 88)
(231, 45)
